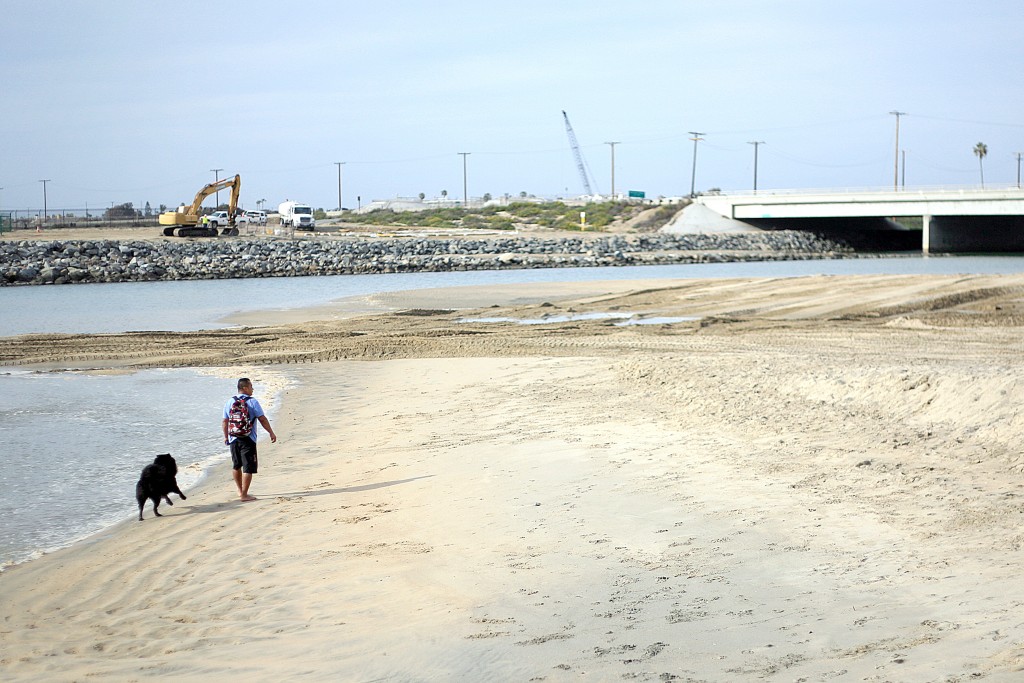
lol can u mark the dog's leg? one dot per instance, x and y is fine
(168, 499)
(156, 504)
(140, 497)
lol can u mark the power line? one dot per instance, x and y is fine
(973, 123)
(775, 151)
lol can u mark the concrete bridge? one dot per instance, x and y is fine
(952, 220)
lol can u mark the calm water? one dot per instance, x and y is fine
(72, 444)
(202, 304)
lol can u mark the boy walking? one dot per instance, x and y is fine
(241, 415)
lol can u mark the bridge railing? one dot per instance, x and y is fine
(915, 190)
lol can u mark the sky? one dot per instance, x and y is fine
(115, 101)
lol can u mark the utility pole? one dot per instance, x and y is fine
(339, 164)
(216, 178)
(1018, 171)
(612, 145)
(693, 173)
(903, 169)
(755, 143)
(896, 161)
(465, 186)
(44, 198)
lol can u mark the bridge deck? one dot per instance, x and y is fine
(866, 204)
(954, 220)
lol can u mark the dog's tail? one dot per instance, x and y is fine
(141, 497)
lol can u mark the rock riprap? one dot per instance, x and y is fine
(56, 262)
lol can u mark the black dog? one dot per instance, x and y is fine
(157, 482)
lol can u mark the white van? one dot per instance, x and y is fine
(253, 217)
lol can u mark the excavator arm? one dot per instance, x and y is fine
(234, 183)
(236, 186)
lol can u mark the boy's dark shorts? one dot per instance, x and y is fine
(243, 455)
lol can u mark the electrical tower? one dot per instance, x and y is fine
(576, 152)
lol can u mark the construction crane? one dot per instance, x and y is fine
(576, 152)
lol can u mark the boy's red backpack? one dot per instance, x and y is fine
(239, 421)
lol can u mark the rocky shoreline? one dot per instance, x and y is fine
(66, 262)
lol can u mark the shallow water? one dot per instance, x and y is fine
(75, 443)
(203, 304)
(548, 319)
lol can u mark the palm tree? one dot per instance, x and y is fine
(980, 150)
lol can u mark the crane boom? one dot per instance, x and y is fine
(576, 153)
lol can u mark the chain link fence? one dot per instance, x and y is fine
(30, 219)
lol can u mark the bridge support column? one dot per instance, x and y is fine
(926, 234)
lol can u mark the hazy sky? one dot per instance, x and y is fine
(121, 100)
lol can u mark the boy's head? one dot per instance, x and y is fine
(245, 385)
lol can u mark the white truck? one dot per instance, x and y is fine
(296, 215)
(219, 219)
(252, 217)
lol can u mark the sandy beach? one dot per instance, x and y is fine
(799, 479)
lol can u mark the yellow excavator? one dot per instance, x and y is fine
(185, 222)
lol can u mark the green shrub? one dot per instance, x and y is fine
(546, 214)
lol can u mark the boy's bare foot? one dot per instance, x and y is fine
(247, 498)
